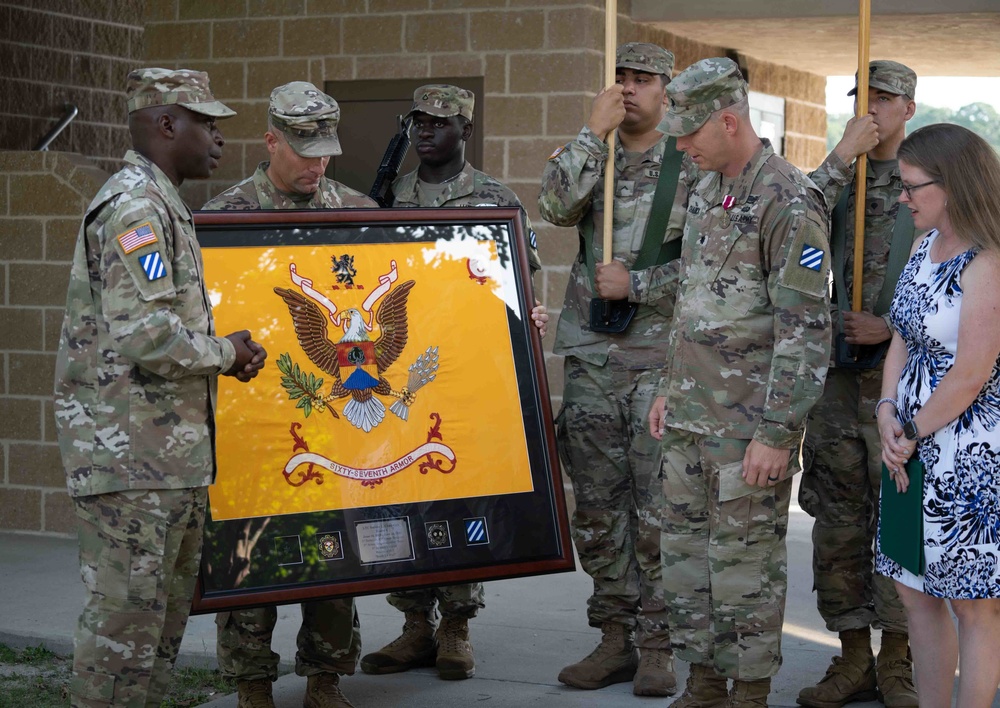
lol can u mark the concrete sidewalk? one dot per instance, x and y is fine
(530, 629)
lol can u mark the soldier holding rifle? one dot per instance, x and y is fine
(441, 124)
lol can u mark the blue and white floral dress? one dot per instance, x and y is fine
(962, 480)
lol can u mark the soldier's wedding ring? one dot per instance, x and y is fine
(774, 479)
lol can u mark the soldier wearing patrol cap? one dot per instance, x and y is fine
(441, 125)
(748, 353)
(842, 453)
(610, 376)
(135, 394)
(301, 137)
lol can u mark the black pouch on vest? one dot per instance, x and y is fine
(858, 356)
(611, 316)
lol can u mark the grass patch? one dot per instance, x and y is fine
(31, 655)
(192, 687)
(39, 678)
(33, 677)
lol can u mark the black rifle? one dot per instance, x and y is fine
(381, 190)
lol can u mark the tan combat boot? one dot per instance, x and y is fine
(655, 675)
(613, 661)
(414, 647)
(704, 689)
(254, 694)
(850, 678)
(894, 671)
(749, 694)
(323, 691)
(454, 654)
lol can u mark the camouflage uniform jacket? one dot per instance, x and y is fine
(470, 188)
(258, 192)
(573, 194)
(750, 341)
(135, 377)
(881, 206)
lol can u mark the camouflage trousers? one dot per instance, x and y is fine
(614, 465)
(139, 556)
(457, 601)
(724, 562)
(329, 640)
(840, 490)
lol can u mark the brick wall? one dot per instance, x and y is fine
(53, 53)
(42, 196)
(541, 61)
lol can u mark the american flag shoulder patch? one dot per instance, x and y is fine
(142, 235)
(811, 258)
(152, 265)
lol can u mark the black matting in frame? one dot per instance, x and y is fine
(459, 482)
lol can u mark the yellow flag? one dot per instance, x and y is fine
(390, 377)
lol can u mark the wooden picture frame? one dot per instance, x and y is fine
(400, 434)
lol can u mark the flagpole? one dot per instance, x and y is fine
(610, 46)
(861, 164)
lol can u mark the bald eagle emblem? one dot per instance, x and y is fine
(356, 364)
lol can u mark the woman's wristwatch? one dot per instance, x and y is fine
(910, 430)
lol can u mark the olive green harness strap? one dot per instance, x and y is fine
(653, 250)
(899, 253)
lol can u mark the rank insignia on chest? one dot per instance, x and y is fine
(152, 265)
(811, 258)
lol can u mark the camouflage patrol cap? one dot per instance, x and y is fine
(443, 100)
(145, 88)
(889, 76)
(699, 91)
(307, 118)
(642, 56)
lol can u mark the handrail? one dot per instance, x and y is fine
(71, 112)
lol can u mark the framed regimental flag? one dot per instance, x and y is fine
(400, 434)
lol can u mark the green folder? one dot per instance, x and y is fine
(901, 518)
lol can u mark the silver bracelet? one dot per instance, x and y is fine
(893, 401)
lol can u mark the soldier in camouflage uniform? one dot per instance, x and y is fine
(301, 137)
(610, 379)
(747, 357)
(842, 452)
(135, 394)
(442, 124)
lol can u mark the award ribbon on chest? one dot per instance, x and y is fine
(727, 203)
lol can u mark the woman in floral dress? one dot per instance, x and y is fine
(942, 368)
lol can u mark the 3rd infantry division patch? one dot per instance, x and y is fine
(811, 258)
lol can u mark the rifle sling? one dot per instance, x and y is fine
(653, 251)
(899, 254)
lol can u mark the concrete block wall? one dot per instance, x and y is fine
(541, 61)
(68, 51)
(42, 196)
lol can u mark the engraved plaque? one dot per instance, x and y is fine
(384, 541)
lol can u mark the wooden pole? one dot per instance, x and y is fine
(610, 52)
(861, 164)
